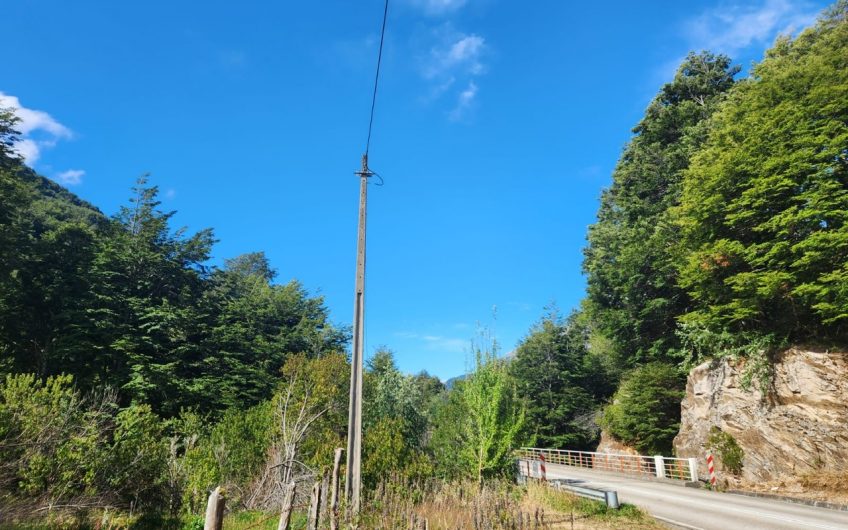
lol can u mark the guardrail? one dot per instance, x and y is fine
(610, 497)
(654, 466)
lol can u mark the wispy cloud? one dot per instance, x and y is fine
(437, 342)
(734, 26)
(39, 130)
(70, 177)
(452, 66)
(438, 7)
(457, 53)
(464, 101)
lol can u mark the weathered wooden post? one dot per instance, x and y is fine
(215, 510)
(334, 490)
(314, 507)
(288, 502)
(323, 511)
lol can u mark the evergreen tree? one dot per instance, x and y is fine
(645, 410)
(765, 203)
(561, 381)
(633, 297)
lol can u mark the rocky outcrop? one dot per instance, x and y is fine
(610, 445)
(798, 426)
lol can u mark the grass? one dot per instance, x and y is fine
(498, 505)
(261, 521)
(591, 513)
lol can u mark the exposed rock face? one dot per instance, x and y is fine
(800, 425)
(610, 445)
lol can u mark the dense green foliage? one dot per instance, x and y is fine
(765, 203)
(481, 421)
(633, 295)
(396, 420)
(129, 304)
(634, 298)
(57, 446)
(728, 451)
(645, 410)
(724, 232)
(561, 381)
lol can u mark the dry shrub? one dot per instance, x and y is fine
(826, 480)
(497, 505)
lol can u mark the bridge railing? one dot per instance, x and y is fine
(654, 466)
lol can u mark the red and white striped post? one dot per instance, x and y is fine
(542, 467)
(711, 467)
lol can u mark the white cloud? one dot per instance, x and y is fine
(70, 177)
(734, 26)
(457, 53)
(464, 101)
(39, 130)
(452, 68)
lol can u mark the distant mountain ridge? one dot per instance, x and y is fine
(53, 203)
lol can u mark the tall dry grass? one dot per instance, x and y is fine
(497, 505)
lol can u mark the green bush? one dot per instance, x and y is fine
(56, 445)
(232, 453)
(645, 411)
(728, 451)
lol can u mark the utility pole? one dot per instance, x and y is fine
(354, 426)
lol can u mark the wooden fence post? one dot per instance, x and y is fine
(334, 491)
(323, 510)
(314, 507)
(288, 502)
(215, 511)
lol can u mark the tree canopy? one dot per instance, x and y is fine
(764, 211)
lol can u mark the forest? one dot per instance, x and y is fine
(136, 377)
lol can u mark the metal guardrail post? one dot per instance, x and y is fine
(693, 469)
(611, 498)
(659, 464)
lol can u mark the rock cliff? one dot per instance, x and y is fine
(610, 445)
(798, 426)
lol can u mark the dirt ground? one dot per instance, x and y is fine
(825, 485)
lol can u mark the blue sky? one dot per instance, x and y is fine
(497, 126)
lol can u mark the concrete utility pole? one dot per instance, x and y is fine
(354, 426)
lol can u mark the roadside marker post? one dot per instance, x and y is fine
(711, 466)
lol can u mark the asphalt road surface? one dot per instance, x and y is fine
(700, 509)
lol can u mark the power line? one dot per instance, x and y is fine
(377, 77)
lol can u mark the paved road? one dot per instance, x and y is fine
(694, 508)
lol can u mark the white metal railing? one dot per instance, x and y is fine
(654, 466)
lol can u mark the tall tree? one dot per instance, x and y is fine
(765, 202)
(481, 421)
(561, 381)
(633, 297)
(256, 326)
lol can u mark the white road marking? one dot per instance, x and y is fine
(677, 523)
